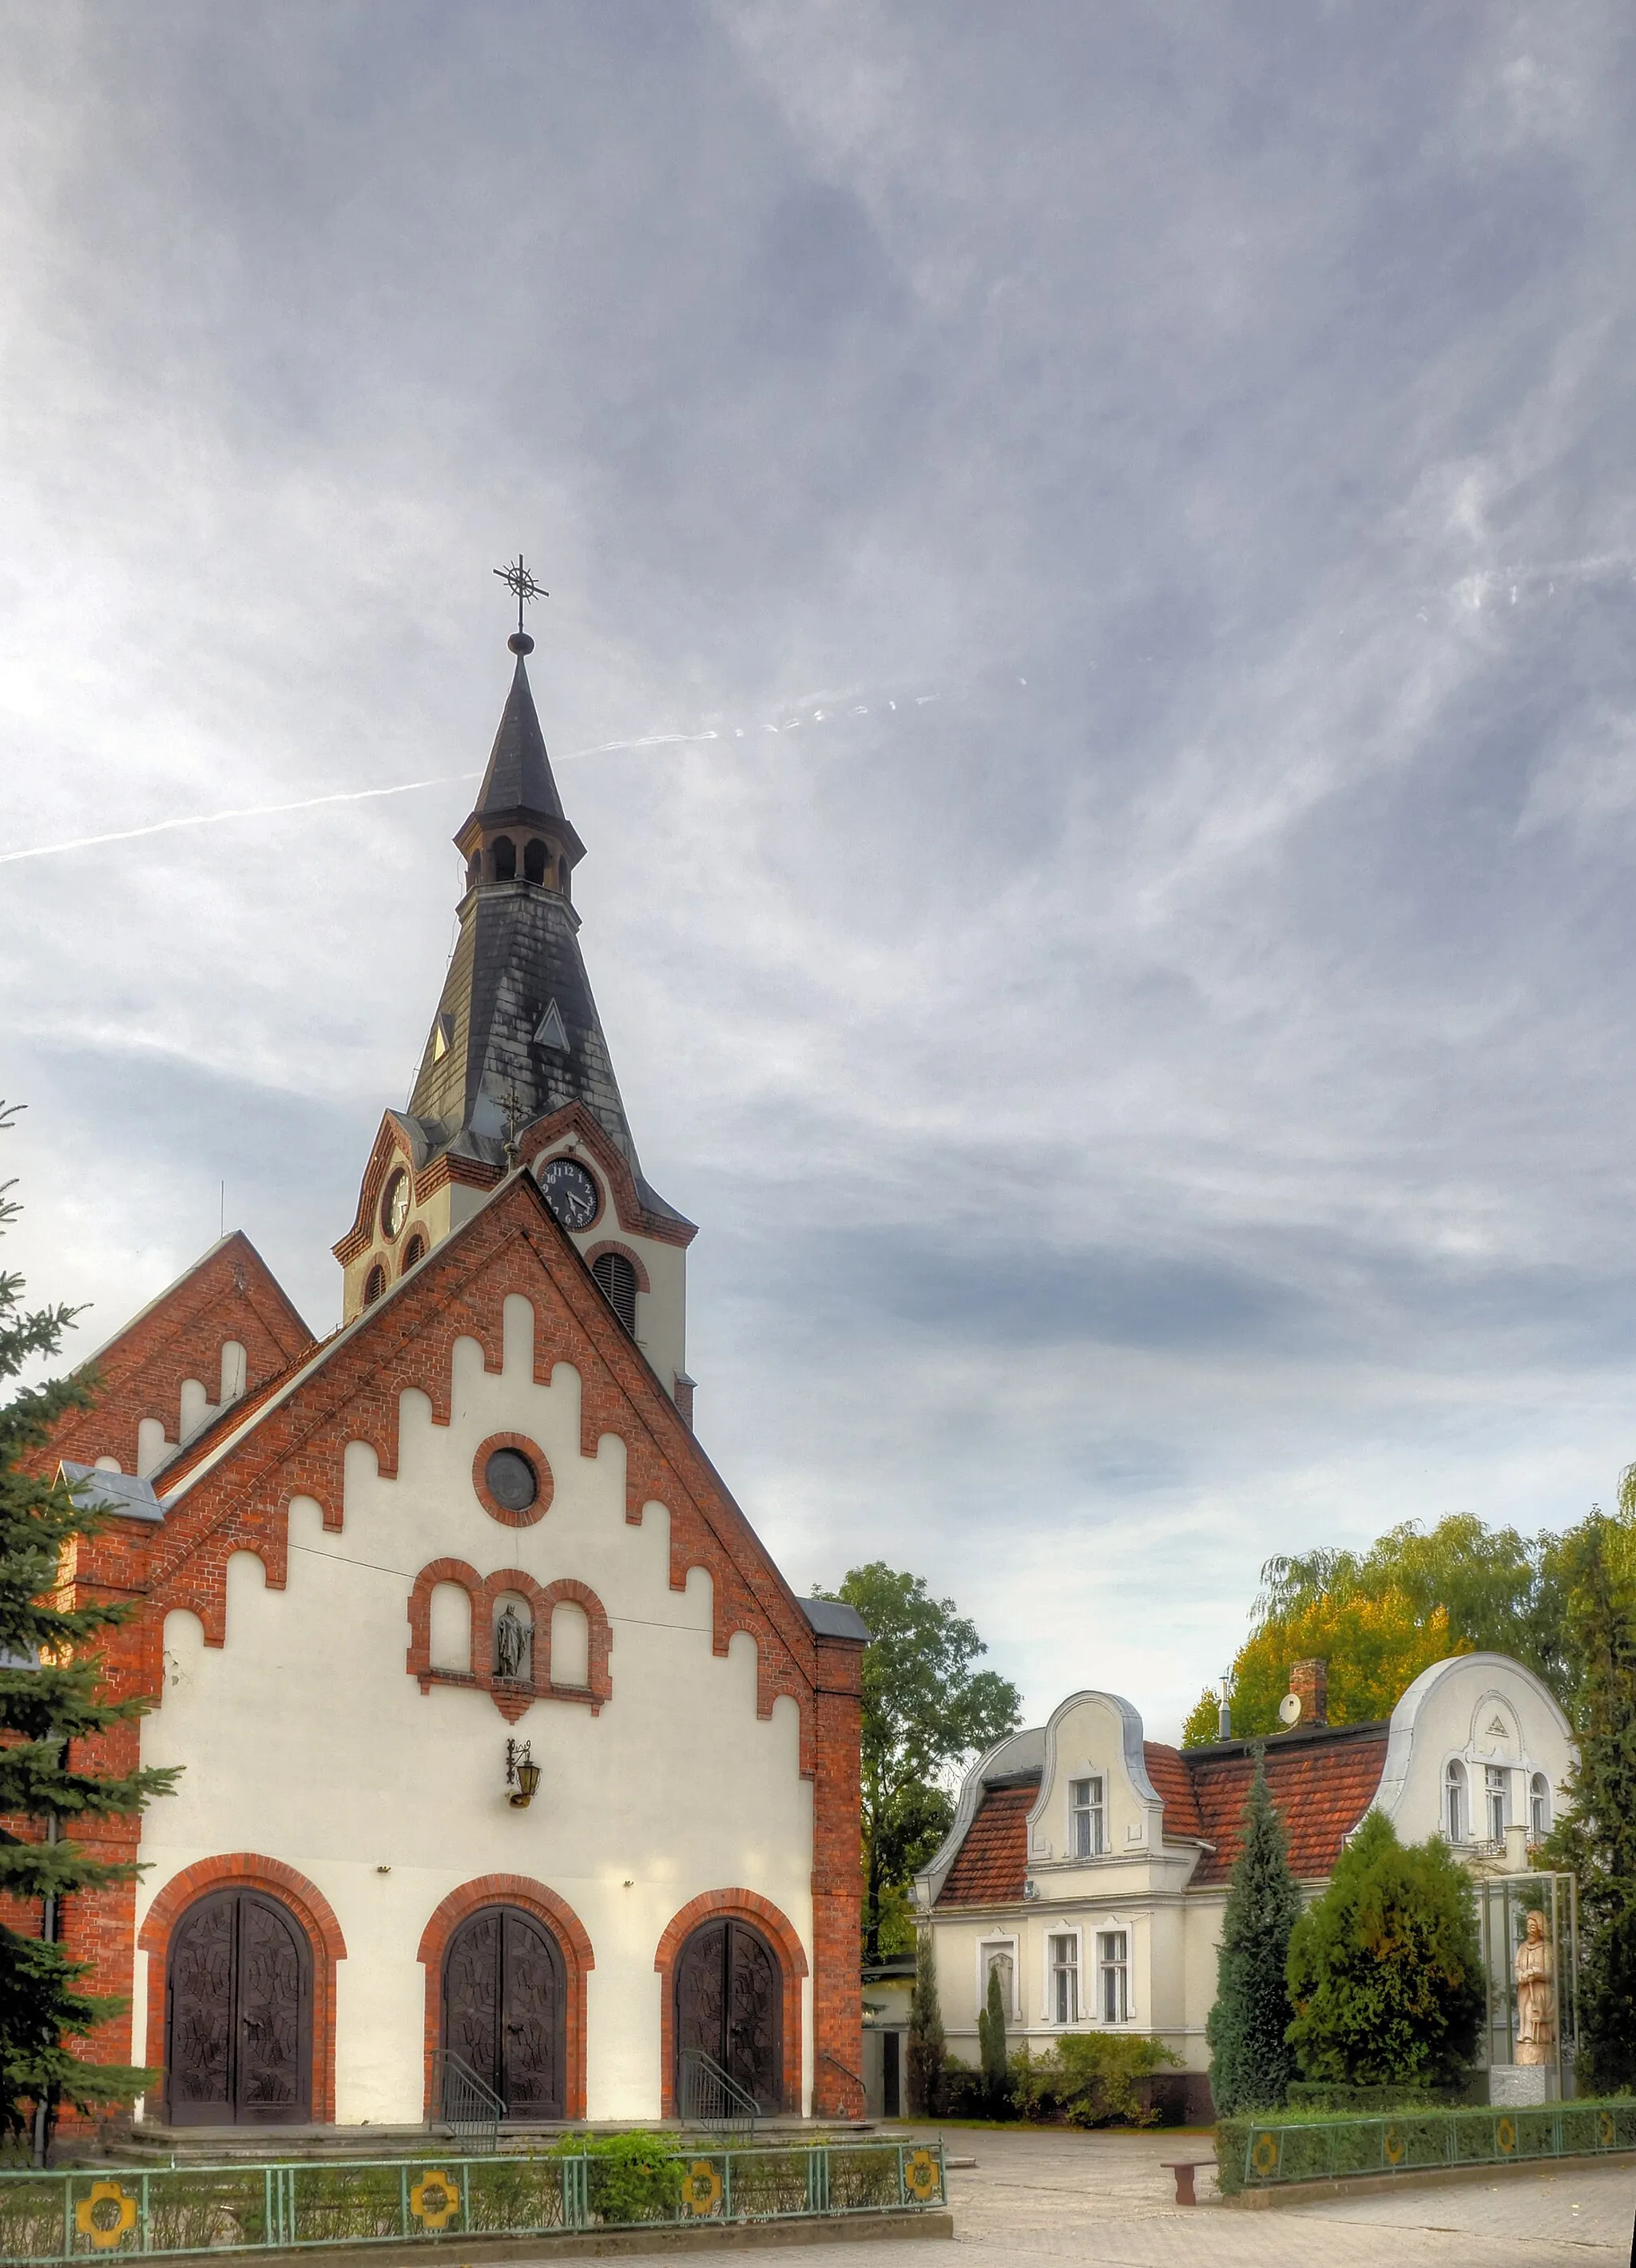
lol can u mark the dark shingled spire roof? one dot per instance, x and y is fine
(519, 778)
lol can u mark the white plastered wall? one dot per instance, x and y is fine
(305, 1739)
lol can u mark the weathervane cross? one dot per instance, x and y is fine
(517, 578)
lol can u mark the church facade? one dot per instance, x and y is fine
(508, 1749)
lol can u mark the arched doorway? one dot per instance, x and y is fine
(504, 2008)
(239, 2014)
(729, 2003)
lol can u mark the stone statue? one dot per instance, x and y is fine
(513, 1646)
(1537, 1995)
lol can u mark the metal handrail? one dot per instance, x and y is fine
(464, 2104)
(708, 2096)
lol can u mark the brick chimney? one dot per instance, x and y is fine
(1308, 1682)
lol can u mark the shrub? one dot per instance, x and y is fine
(631, 2176)
(1384, 1970)
(1090, 2079)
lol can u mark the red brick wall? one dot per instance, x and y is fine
(837, 1886)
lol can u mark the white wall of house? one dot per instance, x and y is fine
(305, 1740)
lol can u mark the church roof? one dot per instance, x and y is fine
(518, 778)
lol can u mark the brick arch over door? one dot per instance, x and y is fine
(572, 1940)
(247, 1870)
(762, 1914)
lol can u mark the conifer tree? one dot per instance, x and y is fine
(1251, 2062)
(991, 2042)
(926, 2044)
(1385, 1970)
(50, 1704)
(1596, 1840)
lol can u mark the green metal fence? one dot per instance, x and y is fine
(106, 2212)
(1419, 2141)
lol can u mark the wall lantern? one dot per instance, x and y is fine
(523, 1774)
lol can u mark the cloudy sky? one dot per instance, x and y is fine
(1092, 641)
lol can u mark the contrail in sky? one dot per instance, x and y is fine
(311, 802)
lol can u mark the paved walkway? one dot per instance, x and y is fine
(1103, 2198)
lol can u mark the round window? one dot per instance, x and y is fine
(513, 1481)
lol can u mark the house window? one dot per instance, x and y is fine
(1113, 1975)
(1538, 1807)
(1087, 1813)
(1496, 1787)
(1064, 1959)
(1001, 1960)
(1453, 1801)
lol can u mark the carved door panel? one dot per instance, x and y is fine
(504, 2009)
(239, 2014)
(729, 2003)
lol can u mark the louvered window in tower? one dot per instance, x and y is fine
(618, 1281)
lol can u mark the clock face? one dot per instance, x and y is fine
(395, 1205)
(570, 1192)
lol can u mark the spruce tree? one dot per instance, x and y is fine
(925, 2036)
(1251, 2063)
(1596, 1840)
(51, 1702)
(991, 2043)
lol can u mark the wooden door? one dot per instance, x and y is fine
(729, 2003)
(239, 2014)
(504, 2009)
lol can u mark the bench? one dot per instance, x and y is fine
(1184, 2170)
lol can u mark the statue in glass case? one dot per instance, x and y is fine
(1537, 1995)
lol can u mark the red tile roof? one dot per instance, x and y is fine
(1322, 1782)
(991, 1864)
(1167, 1768)
(1321, 1787)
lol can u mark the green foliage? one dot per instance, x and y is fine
(632, 2176)
(51, 1697)
(1595, 1836)
(991, 2045)
(927, 1710)
(1251, 2062)
(1314, 2146)
(1497, 1590)
(927, 2043)
(1384, 1970)
(1090, 2079)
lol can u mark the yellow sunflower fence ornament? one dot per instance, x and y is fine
(1263, 2154)
(920, 2178)
(435, 2199)
(1506, 2136)
(701, 2188)
(106, 2215)
(1395, 2143)
(1604, 2129)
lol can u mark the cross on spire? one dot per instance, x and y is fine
(517, 580)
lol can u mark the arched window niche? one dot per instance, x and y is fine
(1456, 1802)
(535, 869)
(504, 859)
(449, 1640)
(571, 1644)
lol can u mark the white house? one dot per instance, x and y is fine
(1090, 1864)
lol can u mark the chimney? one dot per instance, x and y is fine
(1224, 1710)
(1307, 1684)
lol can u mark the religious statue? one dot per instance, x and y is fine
(513, 1646)
(1537, 1995)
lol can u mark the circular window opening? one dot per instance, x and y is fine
(512, 1480)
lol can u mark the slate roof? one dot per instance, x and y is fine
(1322, 1778)
(517, 954)
(519, 778)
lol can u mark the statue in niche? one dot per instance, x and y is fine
(513, 1646)
(1537, 1995)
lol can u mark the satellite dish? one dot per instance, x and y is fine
(1289, 1709)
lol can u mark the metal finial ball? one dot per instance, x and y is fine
(519, 642)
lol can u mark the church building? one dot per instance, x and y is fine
(506, 1749)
